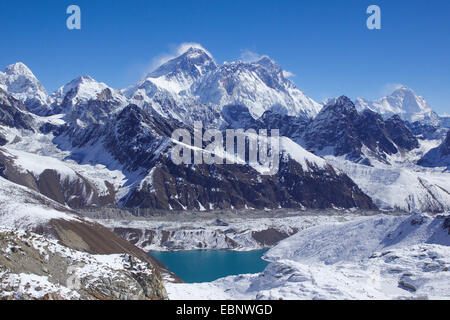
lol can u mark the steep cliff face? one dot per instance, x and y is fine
(13, 113)
(207, 187)
(339, 130)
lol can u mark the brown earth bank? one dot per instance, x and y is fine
(138, 277)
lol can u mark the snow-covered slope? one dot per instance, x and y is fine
(180, 73)
(259, 85)
(401, 187)
(68, 247)
(438, 157)
(250, 230)
(19, 81)
(80, 91)
(404, 102)
(24, 209)
(193, 86)
(33, 267)
(380, 257)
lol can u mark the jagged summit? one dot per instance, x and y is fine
(18, 68)
(269, 64)
(194, 61)
(19, 81)
(84, 87)
(404, 102)
(258, 85)
(75, 95)
(342, 102)
(180, 73)
(192, 86)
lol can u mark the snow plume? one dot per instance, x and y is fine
(389, 88)
(249, 56)
(175, 51)
(288, 74)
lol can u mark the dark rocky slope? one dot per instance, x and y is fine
(438, 157)
(340, 130)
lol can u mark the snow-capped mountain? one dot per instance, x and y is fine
(81, 91)
(180, 73)
(192, 86)
(116, 143)
(404, 102)
(175, 76)
(260, 86)
(339, 130)
(137, 144)
(20, 82)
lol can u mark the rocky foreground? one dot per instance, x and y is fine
(33, 267)
(48, 251)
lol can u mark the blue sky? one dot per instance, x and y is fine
(325, 43)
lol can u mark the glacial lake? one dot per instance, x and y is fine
(209, 265)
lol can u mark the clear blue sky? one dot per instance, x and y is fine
(325, 43)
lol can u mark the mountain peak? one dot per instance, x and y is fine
(20, 82)
(18, 68)
(83, 88)
(403, 90)
(403, 101)
(179, 73)
(193, 62)
(82, 79)
(342, 101)
(194, 52)
(269, 64)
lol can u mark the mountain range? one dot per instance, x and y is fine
(87, 145)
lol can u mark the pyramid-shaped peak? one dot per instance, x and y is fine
(192, 63)
(269, 64)
(195, 52)
(341, 101)
(403, 89)
(18, 68)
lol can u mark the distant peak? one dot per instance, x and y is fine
(18, 68)
(193, 60)
(194, 50)
(86, 78)
(81, 79)
(341, 101)
(189, 49)
(265, 60)
(403, 88)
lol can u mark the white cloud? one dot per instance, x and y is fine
(174, 51)
(388, 88)
(288, 74)
(249, 56)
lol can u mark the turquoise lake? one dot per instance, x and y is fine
(209, 265)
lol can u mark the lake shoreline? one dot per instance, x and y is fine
(201, 266)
